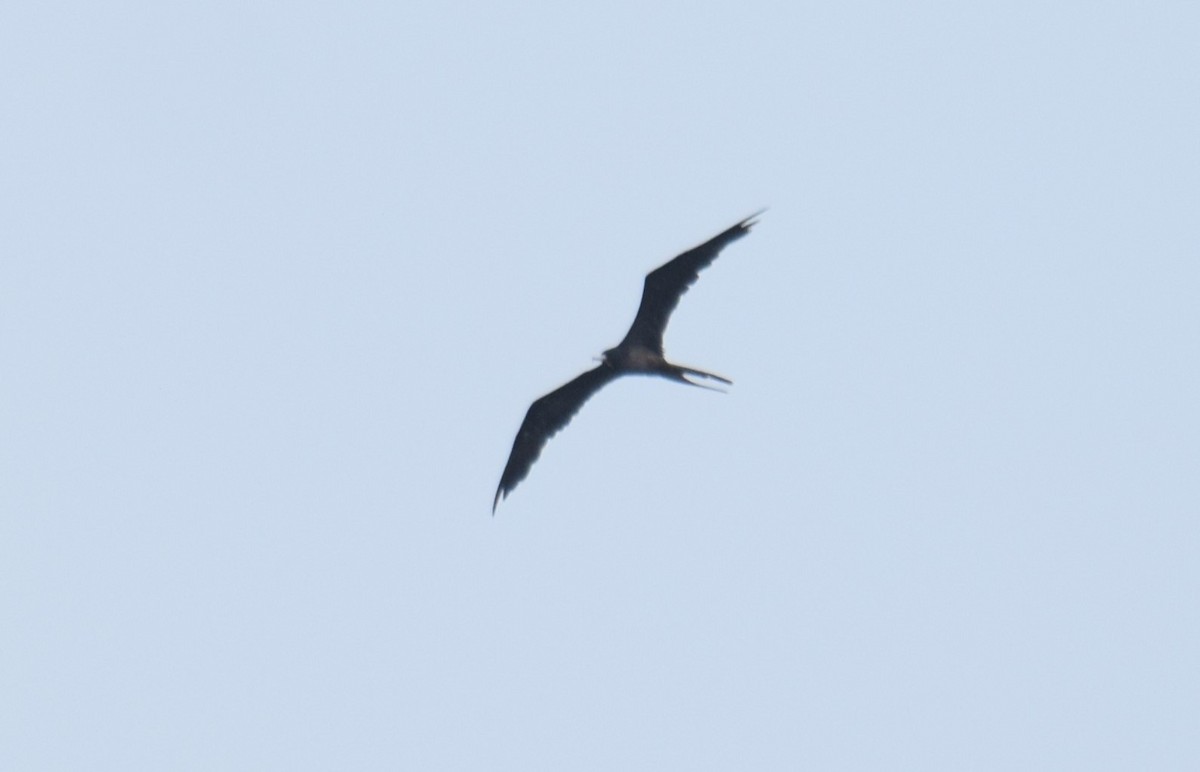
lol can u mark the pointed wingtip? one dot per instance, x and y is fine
(496, 501)
(752, 220)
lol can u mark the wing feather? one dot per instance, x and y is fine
(667, 283)
(545, 418)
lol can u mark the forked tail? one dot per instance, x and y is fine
(680, 372)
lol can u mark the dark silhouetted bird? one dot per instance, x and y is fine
(640, 353)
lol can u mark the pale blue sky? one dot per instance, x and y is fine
(278, 282)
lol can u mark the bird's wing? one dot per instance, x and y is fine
(667, 283)
(545, 418)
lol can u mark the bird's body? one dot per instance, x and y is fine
(640, 352)
(637, 359)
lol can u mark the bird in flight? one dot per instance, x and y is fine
(640, 353)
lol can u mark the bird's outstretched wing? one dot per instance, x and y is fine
(667, 283)
(545, 418)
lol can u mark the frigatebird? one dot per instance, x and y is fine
(640, 353)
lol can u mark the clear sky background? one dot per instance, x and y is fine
(278, 282)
